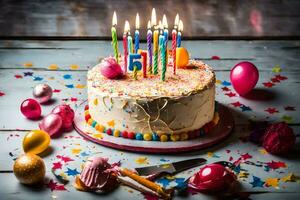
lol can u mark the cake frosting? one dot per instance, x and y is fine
(182, 103)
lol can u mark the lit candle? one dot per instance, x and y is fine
(114, 36)
(144, 58)
(129, 40)
(162, 47)
(174, 42)
(166, 32)
(180, 29)
(125, 45)
(155, 42)
(137, 33)
(149, 47)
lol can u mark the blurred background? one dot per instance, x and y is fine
(201, 18)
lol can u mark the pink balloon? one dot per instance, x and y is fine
(212, 178)
(67, 115)
(31, 109)
(110, 68)
(244, 77)
(52, 124)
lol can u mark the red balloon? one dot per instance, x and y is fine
(212, 178)
(67, 115)
(244, 77)
(31, 109)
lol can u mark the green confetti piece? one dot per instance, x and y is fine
(276, 69)
(287, 119)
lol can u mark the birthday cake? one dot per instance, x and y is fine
(180, 108)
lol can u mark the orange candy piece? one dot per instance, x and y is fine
(182, 57)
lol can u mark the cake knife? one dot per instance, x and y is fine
(170, 168)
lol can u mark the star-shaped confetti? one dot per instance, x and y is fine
(180, 183)
(272, 182)
(230, 94)
(17, 76)
(65, 158)
(289, 108)
(236, 104)
(75, 151)
(276, 69)
(142, 160)
(288, 178)
(257, 182)
(268, 84)
(225, 89)
(56, 165)
(163, 181)
(287, 119)
(73, 99)
(226, 83)
(37, 78)
(276, 165)
(281, 78)
(245, 108)
(275, 80)
(72, 172)
(67, 76)
(271, 110)
(28, 73)
(111, 123)
(55, 186)
(70, 86)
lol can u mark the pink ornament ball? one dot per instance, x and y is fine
(51, 124)
(279, 138)
(67, 115)
(244, 77)
(42, 93)
(31, 109)
(212, 178)
(110, 69)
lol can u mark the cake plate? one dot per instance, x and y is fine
(214, 136)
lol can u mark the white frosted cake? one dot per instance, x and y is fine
(150, 109)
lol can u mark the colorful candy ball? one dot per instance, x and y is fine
(31, 109)
(42, 93)
(110, 68)
(279, 138)
(29, 169)
(51, 124)
(67, 115)
(36, 142)
(212, 178)
(244, 77)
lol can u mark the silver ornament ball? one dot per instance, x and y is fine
(42, 93)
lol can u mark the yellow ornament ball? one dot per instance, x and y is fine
(36, 141)
(29, 169)
(182, 57)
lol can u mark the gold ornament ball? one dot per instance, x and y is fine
(36, 142)
(29, 169)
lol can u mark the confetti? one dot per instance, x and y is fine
(225, 89)
(28, 73)
(289, 108)
(218, 82)
(281, 78)
(215, 58)
(56, 91)
(55, 186)
(79, 86)
(257, 182)
(276, 165)
(268, 84)
(56, 165)
(212, 155)
(75, 151)
(111, 123)
(53, 67)
(2, 94)
(245, 108)
(142, 160)
(74, 67)
(272, 182)
(72, 172)
(276, 69)
(70, 86)
(37, 78)
(28, 64)
(230, 94)
(271, 110)
(226, 83)
(288, 178)
(67, 76)
(163, 181)
(263, 151)
(236, 104)
(287, 119)
(65, 158)
(17, 76)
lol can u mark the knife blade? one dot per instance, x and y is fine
(170, 168)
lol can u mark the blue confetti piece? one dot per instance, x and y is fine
(180, 183)
(257, 182)
(163, 160)
(237, 169)
(164, 181)
(266, 168)
(70, 86)
(72, 172)
(84, 154)
(245, 108)
(37, 78)
(67, 76)
(226, 83)
(28, 73)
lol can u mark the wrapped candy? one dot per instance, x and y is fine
(212, 178)
(110, 68)
(279, 138)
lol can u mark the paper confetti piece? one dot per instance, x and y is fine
(271, 110)
(218, 82)
(17, 76)
(236, 104)
(287, 119)
(37, 78)
(164, 160)
(75, 151)
(111, 123)
(66, 159)
(242, 175)
(98, 135)
(276, 69)
(2, 94)
(73, 99)
(230, 94)
(28, 64)
(55, 186)
(72, 172)
(262, 151)
(288, 178)
(215, 58)
(281, 78)
(245, 108)
(142, 160)
(164, 181)
(226, 83)
(79, 86)
(275, 80)
(268, 84)
(257, 182)
(289, 108)
(56, 165)
(28, 73)
(53, 67)
(74, 67)
(70, 86)
(148, 196)
(67, 76)
(225, 89)
(272, 182)
(212, 155)
(56, 91)
(276, 165)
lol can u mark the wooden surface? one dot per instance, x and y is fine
(202, 18)
(15, 87)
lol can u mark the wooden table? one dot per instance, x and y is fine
(52, 59)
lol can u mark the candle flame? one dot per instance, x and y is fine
(180, 26)
(153, 17)
(137, 21)
(160, 26)
(165, 22)
(114, 19)
(126, 27)
(149, 25)
(176, 20)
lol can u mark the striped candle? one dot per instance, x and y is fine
(162, 47)
(149, 47)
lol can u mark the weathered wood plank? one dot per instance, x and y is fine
(201, 18)
(265, 54)
(18, 89)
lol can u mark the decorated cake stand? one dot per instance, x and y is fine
(214, 136)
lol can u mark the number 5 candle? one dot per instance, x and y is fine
(114, 36)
